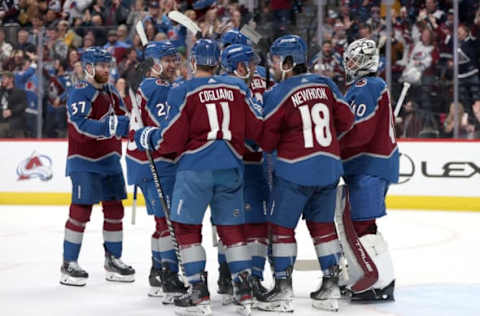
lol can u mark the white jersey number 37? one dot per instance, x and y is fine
(316, 121)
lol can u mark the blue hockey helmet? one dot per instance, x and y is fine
(236, 53)
(233, 37)
(206, 52)
(290, 45)
(95, 54)
(159, 49)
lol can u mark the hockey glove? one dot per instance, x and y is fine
(143, 138)
(118, 125)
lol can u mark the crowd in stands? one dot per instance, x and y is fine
(42, 41)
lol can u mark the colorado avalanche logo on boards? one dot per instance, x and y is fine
(35, 166)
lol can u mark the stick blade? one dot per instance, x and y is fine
(141, 33)
(250, 32)
(184, 20)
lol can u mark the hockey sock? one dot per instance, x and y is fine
(221, 253)
(79, 215)
(236, 249)
(284, 249)
(157, 258)
(189, 238)
(165, 245)
(363, 228)
(256, 235)
(325, 239)
(112, 227)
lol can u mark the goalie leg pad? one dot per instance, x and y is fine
(362, 272)
(377, 248)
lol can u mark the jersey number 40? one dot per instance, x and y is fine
(316, 121)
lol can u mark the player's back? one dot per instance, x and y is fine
(370, 147)
(303, 116)
(209, 120)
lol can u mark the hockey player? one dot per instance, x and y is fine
(304, 115)
(152, 93)
(209, 119)
(371, 161)
(96, 122)
(241, 61)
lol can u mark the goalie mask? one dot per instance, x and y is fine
(238, 53)
(205, 52)
(360, 59)
(288, 46)
(165, 58)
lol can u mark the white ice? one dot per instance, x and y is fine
(435, 254)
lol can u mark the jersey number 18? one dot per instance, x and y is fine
(317, 118)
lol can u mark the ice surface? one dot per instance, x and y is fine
(435, 255)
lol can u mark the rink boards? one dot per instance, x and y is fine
(434, 174)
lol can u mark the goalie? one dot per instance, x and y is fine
(371, 162)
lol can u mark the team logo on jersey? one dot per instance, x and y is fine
(35, 166)
(81, 84)
(361, 83)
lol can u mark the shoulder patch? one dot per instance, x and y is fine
(81, 85)
(361, 82)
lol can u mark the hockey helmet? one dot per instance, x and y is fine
(237, 53)
(94, 55)
(159, 49)
(233, 37)
(290, 45)
(206, 52)
(361, 58)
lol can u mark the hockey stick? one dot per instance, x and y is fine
(184, 20)
(141, 33)
(400, 100)
(135, 120)
(357, 256)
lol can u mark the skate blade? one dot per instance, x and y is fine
(285, 306)
(330, 305)
(244, 309)
(227, 299)
(198, 310)
(116, 277)
(69, 280)
(155, 292)
(170, 297)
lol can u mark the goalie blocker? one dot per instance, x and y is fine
(369, 271)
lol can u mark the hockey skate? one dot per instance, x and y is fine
(326, 298)
(375, 295)
(196, 302)
(171, 284)
(73, 274)
(257, 289)
(155, 280)
(242, 294)
(225, 288)
(116, 270)
(280, 298)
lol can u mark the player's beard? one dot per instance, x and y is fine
(101, 78)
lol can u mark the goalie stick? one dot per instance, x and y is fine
(136, 122)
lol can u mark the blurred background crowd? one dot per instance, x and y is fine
(42, 41)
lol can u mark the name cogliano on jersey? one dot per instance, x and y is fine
(305, 95)
(216, 94)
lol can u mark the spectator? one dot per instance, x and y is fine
(5, 48)
(76, 8)
(98, 30)
(116, 13)
(468, 69)
(23, 43)
(409, 124)
(114, 47)
(122, 88)
(13, 102)
(58, 88)
(449, 123)
(137, 13)
(281, 15)
(73, 57)
(128, 64)
(88, 41)
(122, 35)
(57, 49)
